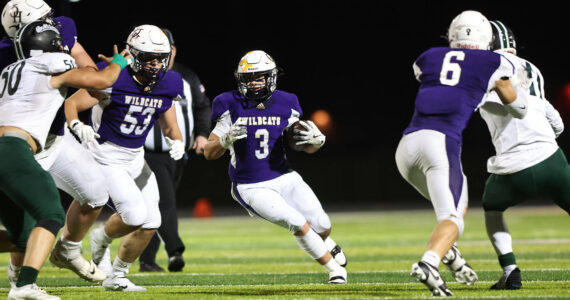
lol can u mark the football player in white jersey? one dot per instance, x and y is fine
(31, 92)
(64, 158)
(528, 162)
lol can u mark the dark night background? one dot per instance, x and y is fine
(351, 58)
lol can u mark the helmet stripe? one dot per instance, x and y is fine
(504, 34)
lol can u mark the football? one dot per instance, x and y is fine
(289, 136)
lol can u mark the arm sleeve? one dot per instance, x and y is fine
(506, 69)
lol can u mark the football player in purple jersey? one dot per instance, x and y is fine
(454, 81)
(252, 122)
(121, 119)
(63, 157)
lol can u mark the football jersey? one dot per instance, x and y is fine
(27, 99)
(127, 114)
(261, 155)
(520, 143)
(453, 83)
(68, 31)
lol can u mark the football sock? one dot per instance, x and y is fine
(498, 232)
(431, 258)
(331, 265)
(71, 249)
(120, 267)
(508, 269)
(312, 244)
(28, 275)
(329, 243)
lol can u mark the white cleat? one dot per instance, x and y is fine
(429, 276)
(98, 247)
(121, 283)
(30, 291)
(79, 265)
(336, 252)
(462, 272)
(13, 273)
(105, 265)
(338, 276)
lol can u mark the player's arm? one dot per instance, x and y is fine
(82, 59)
(554, 118)
(515, 105)
(223, 136)
(171, 132)
(83, 78)
(213, 148)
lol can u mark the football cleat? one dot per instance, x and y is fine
(176, 262)
(512, 282)
(13, 273)
(79, 265)
(30, 291)
(462, 272)
(336, 252)
(121, 283)
(429, 276)
(338, 276)
(150, 267)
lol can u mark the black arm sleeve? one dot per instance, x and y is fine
(201, 106)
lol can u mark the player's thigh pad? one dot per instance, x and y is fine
(77, 173)
(146, 182)
(267, 203)
(126, 196)
(301, 197)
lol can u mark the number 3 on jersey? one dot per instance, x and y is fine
(451, 67)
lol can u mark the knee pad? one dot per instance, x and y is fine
(321, 223)
(51, 225)
(134, 217)
(458, 220)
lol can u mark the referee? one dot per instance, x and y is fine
(193, 114)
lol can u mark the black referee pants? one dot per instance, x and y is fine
(168, 174)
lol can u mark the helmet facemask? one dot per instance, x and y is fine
(149, 65)
(257, 86)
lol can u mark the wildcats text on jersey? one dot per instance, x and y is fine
(259, 120)
(143, 101)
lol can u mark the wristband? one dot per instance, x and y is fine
(120, 60)
(73, 123)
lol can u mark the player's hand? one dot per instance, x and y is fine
(521, 79)
(236, 132)
(85, 133)
(123, 53)
(199, 144)
(312, 135)
(176, 148)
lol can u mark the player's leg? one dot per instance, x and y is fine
(134, 243)
(25, 182)
(558, 171)
(76, 172)
(269, 205)
(301, 197)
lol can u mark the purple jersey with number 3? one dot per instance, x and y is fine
(260, 156)
(453, 83)
(126, 117)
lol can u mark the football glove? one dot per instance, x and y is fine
(312, 135)
(176, 148)
(236, 132)
(85, 133)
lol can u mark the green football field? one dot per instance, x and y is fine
(249, 258)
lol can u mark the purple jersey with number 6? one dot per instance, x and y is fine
(453, 83)
(261, 155)
(128, 114)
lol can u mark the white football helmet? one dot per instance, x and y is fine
(19, 12)
(145, 43)
(470, 30)
(253, 65)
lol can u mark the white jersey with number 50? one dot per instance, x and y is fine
(27, 100)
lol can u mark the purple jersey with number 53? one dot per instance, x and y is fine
(126, 117)
(453, 83)
(261, 155)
